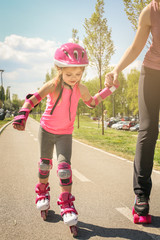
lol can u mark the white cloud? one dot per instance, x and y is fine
(26, 62)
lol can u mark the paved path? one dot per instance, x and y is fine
(102, 187)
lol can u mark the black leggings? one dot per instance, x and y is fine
(149, 105)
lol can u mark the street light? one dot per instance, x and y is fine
(1, 77)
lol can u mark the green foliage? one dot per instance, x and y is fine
(2, 93)
(51, 75)
(133, 9)
(98, 40)
(74, 35)
(116, 103)
(132, 91)
(7, 97)
(16, 102)
(1, 104)
(123, 102)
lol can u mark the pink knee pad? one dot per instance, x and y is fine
(45, 165)
(64, 173)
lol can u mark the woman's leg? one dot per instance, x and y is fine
(149, 102)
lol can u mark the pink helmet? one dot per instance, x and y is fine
(71, 55)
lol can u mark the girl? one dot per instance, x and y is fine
(56, 125)
(149, 104)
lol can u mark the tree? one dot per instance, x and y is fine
(133, 9)
(51, 75)
(117, 102)
(98, 42)
(2, 93)
(132, 91)
(7, 97)
(16, 102)
(74, 35)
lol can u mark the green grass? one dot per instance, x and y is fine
(121, 143)
(5, 121)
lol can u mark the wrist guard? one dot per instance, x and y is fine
(107, 91)
(22, 115)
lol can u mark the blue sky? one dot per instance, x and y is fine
(31, 30)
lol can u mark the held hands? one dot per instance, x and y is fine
(111, 79)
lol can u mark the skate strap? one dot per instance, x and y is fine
(68, 210)
(67, 201)
(96, 100)
(41, 197)
(45, 191)
(88, 103)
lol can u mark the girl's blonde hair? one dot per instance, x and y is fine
(58, 81)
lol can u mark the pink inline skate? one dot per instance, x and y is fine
(68, 211)
(141, 209)
(43, 199)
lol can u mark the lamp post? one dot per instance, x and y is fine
(1, 77)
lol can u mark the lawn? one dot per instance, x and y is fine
(121, 143)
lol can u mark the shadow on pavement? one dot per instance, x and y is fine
(155, 222)
(86, 231)
(52, 217)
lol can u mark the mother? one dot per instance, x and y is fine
(148, 98)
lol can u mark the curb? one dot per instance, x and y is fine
(1, 129)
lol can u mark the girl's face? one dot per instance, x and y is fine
(72, 75)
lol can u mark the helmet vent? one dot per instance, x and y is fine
(76, 54)
(67, 54)
(82, 54)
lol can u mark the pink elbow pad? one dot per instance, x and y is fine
(107, 91)
(38, 97)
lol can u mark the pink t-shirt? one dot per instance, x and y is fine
(62, 119)
(152, 57)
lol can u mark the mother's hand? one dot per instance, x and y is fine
(111, 79)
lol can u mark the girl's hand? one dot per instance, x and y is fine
(20, 127)
(111, 79)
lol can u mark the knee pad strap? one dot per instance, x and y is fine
(64, 173)
(45, 165)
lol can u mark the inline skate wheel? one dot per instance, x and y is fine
(44, 214)
(74, 231)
